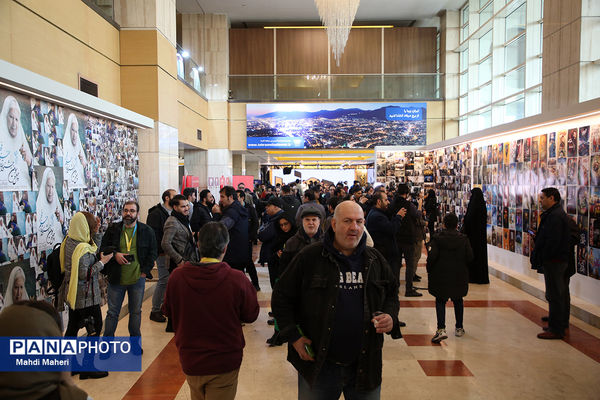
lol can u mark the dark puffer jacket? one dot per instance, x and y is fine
(447, 264)
(293, 246)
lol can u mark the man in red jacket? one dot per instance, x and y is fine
(208, 302)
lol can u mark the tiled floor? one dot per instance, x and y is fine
(498, 358)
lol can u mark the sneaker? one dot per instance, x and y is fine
(459, 332)
(413, 293)
(440, 335)
(157, 316)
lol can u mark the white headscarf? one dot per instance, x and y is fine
(48, 226)
(17, 272)
(14, 171)
(72, 166)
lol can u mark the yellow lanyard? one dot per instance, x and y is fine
(208, 260)
(127, 240)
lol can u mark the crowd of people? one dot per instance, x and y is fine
(334, 255)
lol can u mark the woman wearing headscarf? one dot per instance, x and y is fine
(285, 228)
(35, 319)
(431, 210)
(49, 213)
(4, 232)
(14, 150)
(80, 289)
(74, 160)
(16, 287)
(474, 226)
(12, 249)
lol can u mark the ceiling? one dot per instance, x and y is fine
(253, 11)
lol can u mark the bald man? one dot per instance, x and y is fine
(333, 304)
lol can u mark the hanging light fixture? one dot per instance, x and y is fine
(337, 16)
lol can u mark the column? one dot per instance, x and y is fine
(149, 87)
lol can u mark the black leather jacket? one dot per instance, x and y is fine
(306, 295)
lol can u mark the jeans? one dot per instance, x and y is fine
(407, 251)
(440, 311)
(556, 276)
(332, 381)
(162, 263)
(116, 295)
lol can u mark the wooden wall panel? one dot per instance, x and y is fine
(302, 51)
(410, 50)
(362, 54)
(250, 51)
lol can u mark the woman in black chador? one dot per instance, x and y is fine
(474, 226)
(431, 210)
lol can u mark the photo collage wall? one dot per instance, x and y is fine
(447, 170)
(54, 161)
(512, 174)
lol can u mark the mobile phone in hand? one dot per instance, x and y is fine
(129, 257)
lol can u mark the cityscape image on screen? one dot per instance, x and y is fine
(335, 125)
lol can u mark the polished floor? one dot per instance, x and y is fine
(498, 358)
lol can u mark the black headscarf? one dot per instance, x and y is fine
(476, 209)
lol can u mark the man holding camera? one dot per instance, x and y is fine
(134, 246)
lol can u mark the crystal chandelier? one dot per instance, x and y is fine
(337, 16)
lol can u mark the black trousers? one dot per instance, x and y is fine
(76, 317)
(440, 311)
(407, 251)
(250, 267)
(557, 277)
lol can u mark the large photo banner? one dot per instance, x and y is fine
(335, 125)
(54, 161)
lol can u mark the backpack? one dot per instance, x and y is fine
(55, 275)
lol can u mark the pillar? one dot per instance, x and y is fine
(149, 87)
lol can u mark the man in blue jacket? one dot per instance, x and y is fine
(235, 217)
(551, 257)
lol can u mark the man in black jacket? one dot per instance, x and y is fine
(235, 217)
(333, 303)
(202, 212)
(252, 232)
(406, 237)
(134, 246)
(157, 216)
(383, 230)
(551, 257)
(290, 202)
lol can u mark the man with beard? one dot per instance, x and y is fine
(134, 246)
(333, 303)
(235, 217)
(157, 216)
(202, 210)
(252, 232)
(406, 237)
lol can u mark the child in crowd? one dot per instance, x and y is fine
(449, 254)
